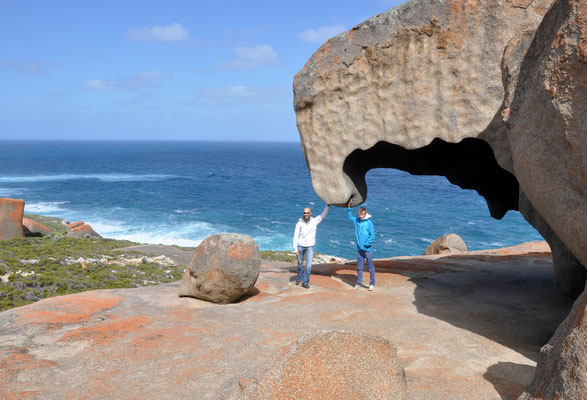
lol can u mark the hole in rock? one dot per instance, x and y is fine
(469, 164)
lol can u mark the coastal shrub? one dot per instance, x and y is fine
(271, 255)
(42, 267)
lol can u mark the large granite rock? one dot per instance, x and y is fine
(546, 124)
(422, 71)
(562, 369)
(35, 227)
(223, 268)
(421, 88)
(11, 212)
(449, 243)
(82, 231)
(327, 365)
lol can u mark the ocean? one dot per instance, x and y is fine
(181, 192)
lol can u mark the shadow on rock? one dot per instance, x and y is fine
(511, 300)
(506, 377)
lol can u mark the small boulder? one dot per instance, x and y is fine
(82, 231)
(326, 365)
(34, 226)
(449, 243)
(11, 212)
(223, 268)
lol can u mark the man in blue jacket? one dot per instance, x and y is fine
(365, 234)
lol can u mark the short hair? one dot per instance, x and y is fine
(362, 210)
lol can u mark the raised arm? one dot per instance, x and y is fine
(349, 213)
(324, 212)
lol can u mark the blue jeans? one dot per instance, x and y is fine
(309, 253)
(361, 255)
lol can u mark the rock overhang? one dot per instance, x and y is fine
(422, 71)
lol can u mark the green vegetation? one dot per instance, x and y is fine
(40, 267)
(53, 223)
(271, 255)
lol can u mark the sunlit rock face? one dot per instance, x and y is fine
(422, 71)
(463, 89)
(545, 114)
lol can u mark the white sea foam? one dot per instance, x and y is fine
(390, 241)
(106, 228)
(8, 192)
(100, 177)
(44, 206)
(190, 234)
(427, 240)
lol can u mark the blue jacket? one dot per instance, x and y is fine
(364, 230)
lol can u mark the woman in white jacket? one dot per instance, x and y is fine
(304, 240)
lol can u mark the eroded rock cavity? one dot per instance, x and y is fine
(469, 164)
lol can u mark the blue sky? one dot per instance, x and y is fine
(160, 70)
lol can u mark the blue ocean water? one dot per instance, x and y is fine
(181, 192)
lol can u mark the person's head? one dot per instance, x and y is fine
(307, 213)
(362, 212)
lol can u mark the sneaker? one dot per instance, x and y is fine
(306, 286)
(298, 282)
(371, 288)
(356, 287)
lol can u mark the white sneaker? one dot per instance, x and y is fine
(356, 287)
(371, 288)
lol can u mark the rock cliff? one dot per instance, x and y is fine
(463, 89)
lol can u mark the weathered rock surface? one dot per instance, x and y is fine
(81, 231)
(562, 369)
(11, 212)
(422, 71)
(465, 326)
(34, 226)
(328, 365)
(449, 243)
(546, 125)
(223, 268)
(421, 88)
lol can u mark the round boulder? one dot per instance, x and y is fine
(449, 243)
(223, 268)
(327, 365)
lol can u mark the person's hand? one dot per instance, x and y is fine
(296, 253)
(349, 203)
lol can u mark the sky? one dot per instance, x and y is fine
(161, 70)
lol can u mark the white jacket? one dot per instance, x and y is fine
(305, 232)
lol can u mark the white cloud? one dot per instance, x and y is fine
(171, 33)
(251, 57)
(264, 96)
(321, 34)
(131, 83)
(31, 67)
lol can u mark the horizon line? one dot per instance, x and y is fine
(151, 140)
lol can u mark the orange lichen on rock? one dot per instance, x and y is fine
(107, 331)
(16, 360)
(11, 213)
(67, 310)
(240, 252)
